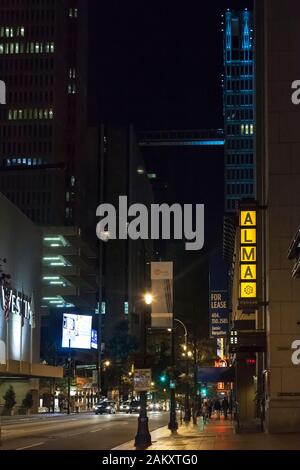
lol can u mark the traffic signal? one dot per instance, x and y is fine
(163, 378)
(203, 391)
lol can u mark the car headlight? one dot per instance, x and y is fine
(138, 407)
(108, 407)
(156, 406)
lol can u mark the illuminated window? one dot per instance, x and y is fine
(17, 48)
(246, 129)
(71, 12)
(103, 308)
(7, 32)
(126, 308)
(251, 129)
(22, 31)
(1, 49)
(242, 129)
(9, 114)
(72, 180)
(69, 88)
(52, 47)
(50, 113)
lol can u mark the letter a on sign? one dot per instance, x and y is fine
(248, 218)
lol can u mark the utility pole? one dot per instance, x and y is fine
(173, 425)
(69, 376)
(101, 168)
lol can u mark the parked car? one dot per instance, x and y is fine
(155, 407)
(134, 407)
(106, 407)
(125, 406)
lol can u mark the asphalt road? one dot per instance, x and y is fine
(75, 432)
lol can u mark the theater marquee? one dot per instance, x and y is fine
(248, 259)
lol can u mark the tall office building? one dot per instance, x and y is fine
(125, 268)
(47, 166)
(239, 104)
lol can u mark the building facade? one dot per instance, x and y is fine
(270, 329)
(124, 267)
(239, 104)
(48, 160)
(20, 312)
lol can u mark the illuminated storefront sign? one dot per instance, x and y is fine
(13, 302)
(248, 258)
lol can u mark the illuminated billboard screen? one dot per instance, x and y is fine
(94, 341)
(77, 331)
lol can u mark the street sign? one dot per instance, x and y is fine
(142, 380)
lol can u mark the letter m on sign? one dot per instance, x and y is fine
(2, 92)
(248, 253)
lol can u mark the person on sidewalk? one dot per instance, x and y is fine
(205, 412)
(210, 408)
(225, 406)
(217, 408)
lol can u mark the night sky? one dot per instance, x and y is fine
(157, 64)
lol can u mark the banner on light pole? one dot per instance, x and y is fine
(162, 292)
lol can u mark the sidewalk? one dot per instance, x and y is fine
(217, 435)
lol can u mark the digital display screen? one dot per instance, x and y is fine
(77, 331)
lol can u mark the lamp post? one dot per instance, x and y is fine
(187, 409)
(173, 425)
(143, 436)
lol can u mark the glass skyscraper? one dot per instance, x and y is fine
(239, 104)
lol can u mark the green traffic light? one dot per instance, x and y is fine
(163, 378)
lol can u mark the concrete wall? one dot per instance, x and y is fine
(282, 217)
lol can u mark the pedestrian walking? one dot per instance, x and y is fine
(225, 406)
(217, 408)
(205, 413)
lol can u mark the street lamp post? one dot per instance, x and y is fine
(143, 436)
(187, 408)
(173, 425)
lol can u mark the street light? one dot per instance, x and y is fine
(143, 436)
(187, 354)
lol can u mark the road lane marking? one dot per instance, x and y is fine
(96, 430)
(32, 445)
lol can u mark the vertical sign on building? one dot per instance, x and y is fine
(218, 297)
(162, 292)
(248, 260)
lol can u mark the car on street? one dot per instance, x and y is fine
(125, 406)
(134, 407)
(155, 407)
(105, 407)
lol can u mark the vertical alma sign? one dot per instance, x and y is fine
(248, 258)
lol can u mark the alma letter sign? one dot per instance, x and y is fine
(248, 259)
